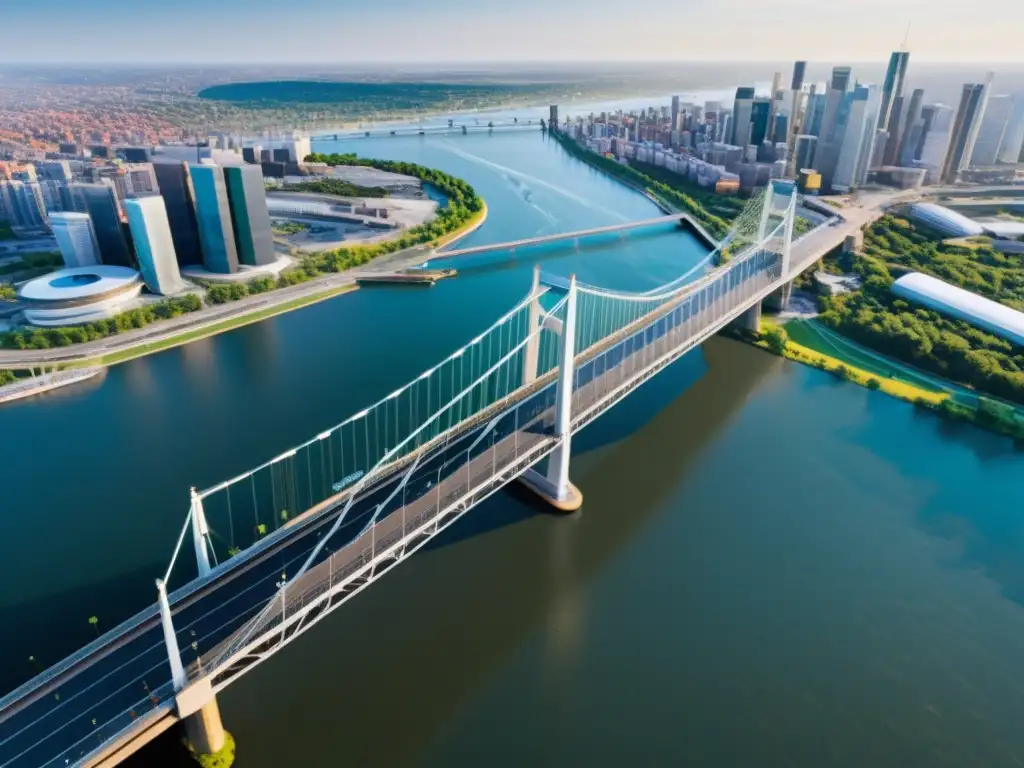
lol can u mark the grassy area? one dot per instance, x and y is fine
(804, 333)
(212, 330)
(844, 369)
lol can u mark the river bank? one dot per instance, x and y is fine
(338, 272)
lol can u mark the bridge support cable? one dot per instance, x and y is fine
(308, 582)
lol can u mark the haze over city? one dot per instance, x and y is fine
(324, 31)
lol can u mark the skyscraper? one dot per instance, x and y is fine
(760, 117)
(833, 124)
(75, 238)
(856, 129)
(965, 129)
(213, 215)
(992, 131)
(176, 189)
(675, 114)
(100, 202)
(893, 88)
(912, 116)
(1013, 140)
(249, 215)
(890, 152)
(799, 70)
(154, 245)
(741, 113)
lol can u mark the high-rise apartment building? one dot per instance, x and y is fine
(741, 114)
(176, 190)
(249, 215)
(213, 215)
(965, 129)
(893, 87)
(992, 131)
(100, 202)
(75, 238)
(154, 245)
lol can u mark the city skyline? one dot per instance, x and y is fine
(462, 31)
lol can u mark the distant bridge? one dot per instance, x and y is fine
(530, 241)
(433, 130)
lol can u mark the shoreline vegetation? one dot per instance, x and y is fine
(988, 413)
(463, 211)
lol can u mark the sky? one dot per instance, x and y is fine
(465, 31)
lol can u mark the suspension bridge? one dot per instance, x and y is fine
(263, 557)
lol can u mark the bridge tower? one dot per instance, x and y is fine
(195, 702)
(554, 487)
(532, 356)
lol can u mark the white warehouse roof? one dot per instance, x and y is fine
(964, 305)
(945, 220)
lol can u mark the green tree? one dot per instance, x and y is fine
(777, 339)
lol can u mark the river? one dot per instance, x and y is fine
(770, 567)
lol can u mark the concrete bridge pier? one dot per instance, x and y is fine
(778, 299)
(555, 487)
(750, 320)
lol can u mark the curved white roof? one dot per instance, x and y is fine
(945, 219)
(78, 283)
(1004, 228)
(943, 297)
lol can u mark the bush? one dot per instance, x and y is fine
(874, 384)
(777, 339)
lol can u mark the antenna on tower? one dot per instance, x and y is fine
(906, 36)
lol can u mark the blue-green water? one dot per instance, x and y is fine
(770, 567)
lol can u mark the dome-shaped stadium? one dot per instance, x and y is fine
(79, 295)
(944, 220)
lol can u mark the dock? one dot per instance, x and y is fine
(408, 277)
(36, 385)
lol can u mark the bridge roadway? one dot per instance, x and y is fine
(528, 241)
(126, 670)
